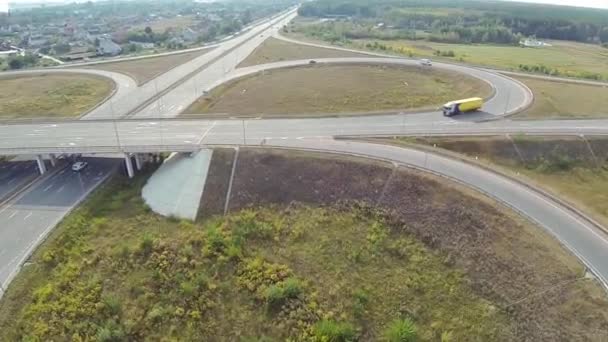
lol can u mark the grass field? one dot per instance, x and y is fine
(338, 89)
(51, 95)
(346, 271)
(275, 50)
(563, 100)
(143, 70)
(568, 58)
(563, 165)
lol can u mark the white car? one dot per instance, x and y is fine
(426, 62)
(79, 166)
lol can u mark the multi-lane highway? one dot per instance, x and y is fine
(29, 217)
(150, 127)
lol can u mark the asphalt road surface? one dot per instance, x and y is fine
(13, 175)
(28, 218)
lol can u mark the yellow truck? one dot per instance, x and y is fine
(462, 106)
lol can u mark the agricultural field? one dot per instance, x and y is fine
(341, 89)
(564, 100)
(276, 50)
(575, 169)
(320, 256)
(143, 70)
(51, 95)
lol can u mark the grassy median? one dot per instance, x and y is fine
(276, 50)
(51, 95)
(145, 69)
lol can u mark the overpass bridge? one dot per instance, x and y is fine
(140, 136)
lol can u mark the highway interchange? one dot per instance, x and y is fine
(149, 125)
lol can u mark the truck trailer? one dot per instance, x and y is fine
(462, 106)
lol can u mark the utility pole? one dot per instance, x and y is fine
(244, 136)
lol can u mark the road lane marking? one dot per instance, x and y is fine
(13, 215)
(27, 216)
(207, 132)
(47, 188)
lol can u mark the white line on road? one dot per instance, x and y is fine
(207, 132)
(47, 188)
(27, 216)
(13, 215)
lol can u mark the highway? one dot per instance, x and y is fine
(28, 218)
(150, 126)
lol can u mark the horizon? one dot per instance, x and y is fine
(597, 4)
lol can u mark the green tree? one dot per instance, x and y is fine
(148, 30)
(15, 63)
(604, 35)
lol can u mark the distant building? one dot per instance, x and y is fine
(188, 35)
(533, 42)
(108, 48)
(36, 41)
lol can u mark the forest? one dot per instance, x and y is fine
(468, 21)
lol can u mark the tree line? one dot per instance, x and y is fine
(470, 21)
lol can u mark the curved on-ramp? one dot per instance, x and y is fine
(509, 96)
(572, 230)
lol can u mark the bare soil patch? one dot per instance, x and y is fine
(341, 89)
(145, 69)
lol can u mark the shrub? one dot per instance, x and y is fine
(113, 305)
(332, 331)
(277, 294)
(400, 330)
(110, 332)
(146, 244)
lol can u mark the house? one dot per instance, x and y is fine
(108, 48)
(142, 45)
(36, 41)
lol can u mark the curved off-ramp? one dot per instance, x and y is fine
(572, 230)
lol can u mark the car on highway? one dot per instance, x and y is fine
(426, 62)
(79, 166)
(312, 61)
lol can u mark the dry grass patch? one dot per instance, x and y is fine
(564, 100)
(276, 50)
(145, 69)
(51, 95)
(341, 89)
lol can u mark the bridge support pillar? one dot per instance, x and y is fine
(41, 165)
(129, 165)
(138, 162)
(53, 159)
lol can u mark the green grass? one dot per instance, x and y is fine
(338, 89)
(144, 70)
(563, 100)
(570, 59)
(115, 271)
(275, 50)
(51, 95)
(564, 166)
